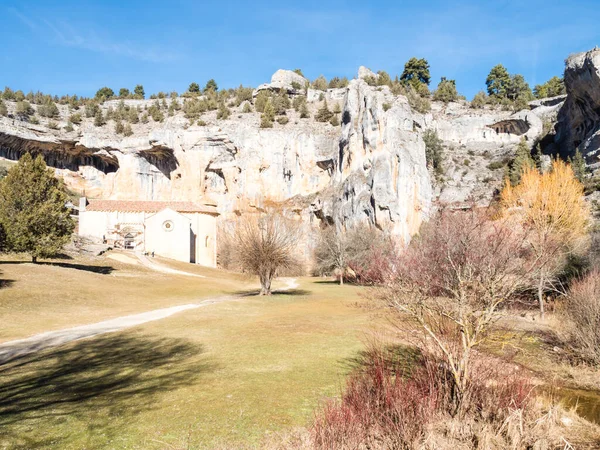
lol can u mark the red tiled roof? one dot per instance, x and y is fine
(148, 206)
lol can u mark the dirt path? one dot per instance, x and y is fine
(147, 262)
(14, 349)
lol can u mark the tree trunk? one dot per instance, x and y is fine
(34, 259)
(342, 278)
(265, 285)
(541, 295)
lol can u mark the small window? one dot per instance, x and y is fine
(168, 225)
(206, 241)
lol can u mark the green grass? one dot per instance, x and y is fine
(225, 374)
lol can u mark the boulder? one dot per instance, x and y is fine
(286, 80)
(579, 118)
(287, 77)
(364, 72)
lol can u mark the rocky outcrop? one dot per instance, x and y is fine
(579, 119)
(380, 172)
(364, 72)
(284, 80)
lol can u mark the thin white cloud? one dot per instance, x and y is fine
(23, 18)
(65, 35)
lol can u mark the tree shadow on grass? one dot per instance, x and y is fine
(6, 283)
(97, 379)
(401, 357)
(276, 292)
(104, 270)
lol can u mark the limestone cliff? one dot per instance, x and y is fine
(579, 119)
(371, 168)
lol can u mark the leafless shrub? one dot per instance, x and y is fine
(387, 406)
(453, 280)
(362, 254)
(264, 245)
(582, 311)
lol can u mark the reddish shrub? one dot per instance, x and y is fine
(384, 406)
(376, 264)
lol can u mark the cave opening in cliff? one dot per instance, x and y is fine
(59, 155)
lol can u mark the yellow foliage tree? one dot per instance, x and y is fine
(552, 208)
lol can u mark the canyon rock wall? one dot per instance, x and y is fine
(579, 119)
(370, 169)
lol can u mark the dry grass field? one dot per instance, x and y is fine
(220, 375)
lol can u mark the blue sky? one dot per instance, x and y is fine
(67, 46)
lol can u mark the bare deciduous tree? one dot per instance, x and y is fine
(552, 208)
(264, 245)
(331, 253)
(363, 252)
(452, 280)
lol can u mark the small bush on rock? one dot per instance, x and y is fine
(99, 119)
(223, 112)
(261, 101)
(304, 112)
(75, 118)
(434, 151)
(48, 109)
(268, 115)
(24, 109)
(281, 103)
(446, 91)
(320, 83)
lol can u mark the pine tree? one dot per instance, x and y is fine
(304, 113)
(98, 118)
(323, 114)
(521, 161)
(416, 71)
(223, 112)
(211, 86)
(537, 157)
(551, 88)
(32, 209)
(578, 166)
(446, 91)
(479, 100)
(268, 115)
(139, 91)
(320, 83)
(498, 81)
